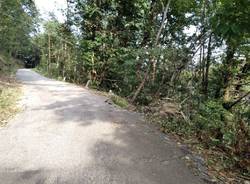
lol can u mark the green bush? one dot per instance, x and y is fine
(119, 101)
(219, 128)
(215, 124)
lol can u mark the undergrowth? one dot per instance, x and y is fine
(9, 89)
(221, 136)
(8, 99)
(121, 102)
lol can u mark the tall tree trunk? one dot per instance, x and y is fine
(163, 23)
(65, 59)
(203, 21)
(49, 55)
(228, 64)
(208, 60)
(58, 62)
(200, 63)
(153, 61)
(203, 62)
(141, 84)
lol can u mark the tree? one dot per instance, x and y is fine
(17, 23)
(231, 23)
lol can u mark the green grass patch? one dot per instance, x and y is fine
(8, 99)
(45, 73)
(122, 102)
(41, 71)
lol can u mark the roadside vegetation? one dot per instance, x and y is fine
(183, 63)
(119, 101)
(17, 24)
(9, 89)
(194, 82)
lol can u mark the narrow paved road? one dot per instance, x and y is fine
(68, 135)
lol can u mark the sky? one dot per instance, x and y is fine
(54, 6)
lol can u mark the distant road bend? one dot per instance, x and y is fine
(68, 135)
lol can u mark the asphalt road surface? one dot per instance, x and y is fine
(69, 135)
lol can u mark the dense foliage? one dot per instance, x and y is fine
(146, 51)
(18, 20)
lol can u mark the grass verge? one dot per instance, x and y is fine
(9, 89)
(121, 102)
(9, 95)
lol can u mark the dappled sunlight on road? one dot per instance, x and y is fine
(66, 134)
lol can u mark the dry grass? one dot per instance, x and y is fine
(9, 90)
(9, 94)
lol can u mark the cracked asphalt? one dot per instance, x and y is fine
(68, 135)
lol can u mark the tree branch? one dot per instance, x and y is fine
(163, 23)
(229, 106)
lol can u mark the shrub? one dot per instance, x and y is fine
(119, 101)
(217, 127)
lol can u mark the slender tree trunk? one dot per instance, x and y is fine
(228, 63)
(90, 81)
(153, 61)
(65, 59)
(141, 84)
(203, 62)
(203, 20)
(163, 23)
(58, 63)
(49, 55)
(208, 60)
(200, 63)
(229, 106)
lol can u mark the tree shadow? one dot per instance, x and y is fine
(12, 176)
(137, 153)
(123, 148)
(133, 151)
(80, 106)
